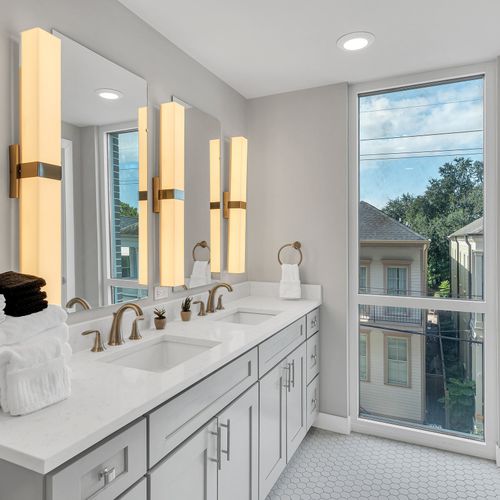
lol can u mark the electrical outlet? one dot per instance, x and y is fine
(161, 292)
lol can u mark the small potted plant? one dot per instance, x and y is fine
(160, 318)
(186, 309)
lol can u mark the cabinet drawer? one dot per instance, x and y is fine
(104, 472)
(312, 402)
(137, 492)
(175, 421)
(312, 357)
(273, 350)
(312, 322)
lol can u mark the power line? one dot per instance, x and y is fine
(421, 135)
(413, 157)
(420, 105)
(423, 151)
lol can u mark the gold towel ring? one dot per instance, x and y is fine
(297, 245)
(202, 244)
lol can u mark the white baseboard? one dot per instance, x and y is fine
(333, 423)
(497, 450)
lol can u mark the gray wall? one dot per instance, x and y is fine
(297, 190)
(111, 30)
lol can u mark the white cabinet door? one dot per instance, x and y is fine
(238, 475)
(296, 420)
(190, 472)
(272, 436)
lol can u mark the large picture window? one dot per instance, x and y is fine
(422, 226)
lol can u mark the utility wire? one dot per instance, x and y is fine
(412, 157)
(420, 105)
(422, 135)
(423, 151)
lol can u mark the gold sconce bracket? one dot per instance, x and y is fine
(164, 194)
(25, 170)
(231, 204)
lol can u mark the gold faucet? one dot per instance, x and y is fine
(78, 300)
(115, 334)
(211, 295)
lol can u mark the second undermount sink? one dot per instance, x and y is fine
(162, 355)
(247, 316)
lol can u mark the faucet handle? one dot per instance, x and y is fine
(220, 306)
(135, 334)
(98, 345)
(202, 311)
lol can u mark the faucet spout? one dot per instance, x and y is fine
(115, 334)
(211, 295)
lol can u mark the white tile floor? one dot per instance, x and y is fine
(334, 466)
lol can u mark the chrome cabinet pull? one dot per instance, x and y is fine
(108, 474)
(227, 451)
(313, 404)
(293, 374)
(218, 460)
(314, 355)
(286, 384)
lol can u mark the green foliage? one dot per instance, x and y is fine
(444, 289)
(459, 402)
(449, 202)
(160, 313)
(186, 304)
(127, 210)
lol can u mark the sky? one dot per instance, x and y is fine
(129, 168)
(405, 136)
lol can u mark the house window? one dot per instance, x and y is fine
(397, 280)
(363, 357)
(397, 361)
(363, 279)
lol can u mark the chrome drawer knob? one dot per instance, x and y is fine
(108, 474)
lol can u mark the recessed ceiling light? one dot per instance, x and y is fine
(109, 94)
(355, 41)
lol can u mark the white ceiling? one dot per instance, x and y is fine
(83, 72)
(263, 47)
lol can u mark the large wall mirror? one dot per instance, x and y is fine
(202, 184)
(101, 157)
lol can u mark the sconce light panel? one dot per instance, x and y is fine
(215, 206)
(142, 125)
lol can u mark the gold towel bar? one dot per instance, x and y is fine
(297, 245)
(202, 244)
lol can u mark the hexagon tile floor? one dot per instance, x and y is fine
(333, 466)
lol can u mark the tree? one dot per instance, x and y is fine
(449, 202)
(127, 210)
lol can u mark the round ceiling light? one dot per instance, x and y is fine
(109, 94)
(355, 41)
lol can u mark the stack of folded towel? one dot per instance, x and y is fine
(23, 294)
(34, 356)
(2, 307)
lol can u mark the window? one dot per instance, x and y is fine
(423, 226)
(363, 357)
(397, 361)
(123, 217)
(363, 279)
(397, 281)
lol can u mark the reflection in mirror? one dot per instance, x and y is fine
(201, 132)
(101, 105)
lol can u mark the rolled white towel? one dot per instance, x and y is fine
(34, 375)
(290, 282)
(15, 330)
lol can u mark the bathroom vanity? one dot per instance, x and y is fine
(210, 409)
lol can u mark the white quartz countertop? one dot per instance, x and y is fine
(106, 397)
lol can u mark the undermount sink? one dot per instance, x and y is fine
(162, 355)
(247, 317)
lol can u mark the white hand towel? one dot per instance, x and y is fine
(34, 375)
(290, 282)
(200, 274)
(2, 307)
(14, 330)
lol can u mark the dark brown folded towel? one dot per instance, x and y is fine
(25, 296)
(12, 281)
(25, 300)
(25, 310)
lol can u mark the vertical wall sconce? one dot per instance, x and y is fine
(168, 192)
(215, 205)
(235, 204)
(142, 125)
(35, 164)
